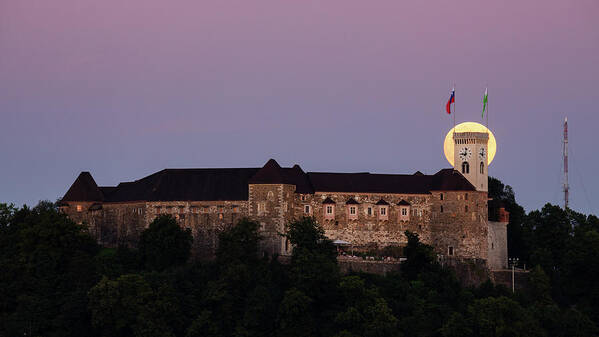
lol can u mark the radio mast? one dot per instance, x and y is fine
(566, 186)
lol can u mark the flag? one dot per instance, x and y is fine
(451, 100)
(485, 103)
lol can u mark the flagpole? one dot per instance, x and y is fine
(454, 108)
(487, 90)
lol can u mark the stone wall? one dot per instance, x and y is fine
(459, 229)
(497, 245)
(114, 224)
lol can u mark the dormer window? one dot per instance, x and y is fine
(352, 209)
(404, 210)
(383, 209)
(329, 208)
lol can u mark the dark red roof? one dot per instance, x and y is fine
(84, 189)
(232, 184)
(447, 179)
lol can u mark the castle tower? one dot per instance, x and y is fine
(471, 157)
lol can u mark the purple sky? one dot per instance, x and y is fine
(126, 88)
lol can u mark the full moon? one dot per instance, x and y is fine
(469, 127)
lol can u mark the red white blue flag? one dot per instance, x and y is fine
(451, 100)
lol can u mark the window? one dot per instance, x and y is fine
(441, 196)
(303, 198)
(441, 209)
(307, 209)
(352, 210)
(261, 208)
(404, 211)
(466, 208)
(482, 167)
(270, 195)
(465, 168)
(369, 211)
(450, 251)
(79, 208)
(466, 196)
(383, 211)
(221, 216)
(329, 209)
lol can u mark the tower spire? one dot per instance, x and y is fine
(565, 155)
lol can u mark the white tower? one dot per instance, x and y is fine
(471, 157)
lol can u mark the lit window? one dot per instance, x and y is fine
(220, 216)
(79, 208)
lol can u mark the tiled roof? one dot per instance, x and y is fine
(352, 201)
(232, 184)
(84, 189)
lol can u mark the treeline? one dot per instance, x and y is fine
(56, 281)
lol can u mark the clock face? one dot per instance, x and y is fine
(482, 153)
(465, 153)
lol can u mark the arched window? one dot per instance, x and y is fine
(465, 167)
(482, 167)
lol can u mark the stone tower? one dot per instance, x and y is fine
(470, 157)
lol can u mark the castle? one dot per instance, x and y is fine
(448, 209)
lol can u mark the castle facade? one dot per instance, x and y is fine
(448, 209)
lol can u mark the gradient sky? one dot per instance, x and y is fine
(126, 88)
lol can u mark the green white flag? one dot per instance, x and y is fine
(484, 103)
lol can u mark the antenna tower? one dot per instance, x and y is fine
(566, 186)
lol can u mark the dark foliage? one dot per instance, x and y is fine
(164, 244)
(56, 281)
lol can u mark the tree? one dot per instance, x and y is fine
(364, 312)
(164, 244)
(239, 244)
(47, 264)
(314, 267)
(295, 315)
(419, 256)
(128, 306)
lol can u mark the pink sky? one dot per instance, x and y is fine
(126, 88)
